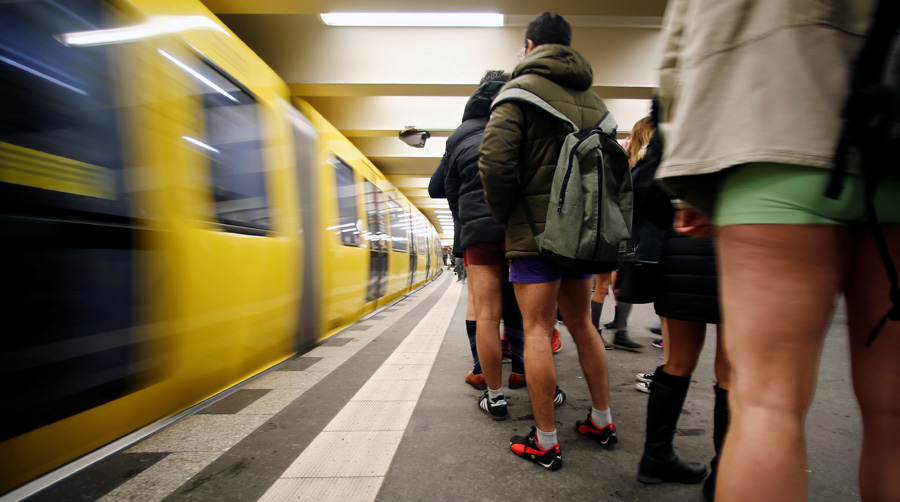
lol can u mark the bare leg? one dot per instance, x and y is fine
(574, 298)
(664, 324)
(876, 380)
(722, 365)
(470, 303)
(687, 339)
(602, 289)
(538, 305)
(487, 286)
(788, 275)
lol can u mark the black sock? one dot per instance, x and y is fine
(596, 310)
(470, 330)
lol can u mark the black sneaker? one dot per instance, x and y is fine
(494, 408)
(606, 436)
(658, 343)
(559, 398)
(528, 448)
(610, 325)
(645, 377)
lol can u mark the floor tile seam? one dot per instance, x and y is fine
(333, 477)
(452, 292)
(364, 340)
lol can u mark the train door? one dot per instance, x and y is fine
(376, 235)
(305, 139)
(428, 255)
(413, 254)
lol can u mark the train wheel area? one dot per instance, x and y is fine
(380, 411)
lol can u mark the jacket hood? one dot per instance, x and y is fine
(561, 64)
(479, 105)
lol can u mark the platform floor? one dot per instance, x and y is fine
(381, 412)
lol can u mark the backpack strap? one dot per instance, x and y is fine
(520, 94)
(524, 95)
(607, 123)
(866, 119)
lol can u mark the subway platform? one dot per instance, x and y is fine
(381, 412)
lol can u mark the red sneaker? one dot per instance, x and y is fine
(555, 342)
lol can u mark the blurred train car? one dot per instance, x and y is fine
(171, 224)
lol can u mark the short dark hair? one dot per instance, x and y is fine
(549, 28)
(494, 76)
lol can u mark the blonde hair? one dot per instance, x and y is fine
(640, 136)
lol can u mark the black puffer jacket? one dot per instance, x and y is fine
(688, 288)
(465, 193)
(646, 229)
(521, 144)
(436, 190)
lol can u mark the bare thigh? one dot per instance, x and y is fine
(789, 276)
(875, 376)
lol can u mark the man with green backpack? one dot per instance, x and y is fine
(548, 143)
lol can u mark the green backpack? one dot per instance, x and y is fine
(591, 199)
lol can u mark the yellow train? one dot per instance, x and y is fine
(171, 223)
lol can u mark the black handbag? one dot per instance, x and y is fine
(638, 280)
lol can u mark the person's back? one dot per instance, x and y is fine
(482, 241)
(768, 85)
(518, 157)
(562, 76)
(465, 193)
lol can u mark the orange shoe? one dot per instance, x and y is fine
(476, 381)
(555, 342)
(516, 380)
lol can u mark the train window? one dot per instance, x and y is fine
(59, 138)
(68, 296)
(234, 147)
(348, 224)
(399, 227)
(420, 236)
(375, 204)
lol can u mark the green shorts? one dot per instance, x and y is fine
(785, 194)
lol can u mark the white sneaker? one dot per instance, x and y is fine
(645, 377)
(642, 387)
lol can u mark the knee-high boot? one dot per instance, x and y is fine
(659, 463)
(721, 418)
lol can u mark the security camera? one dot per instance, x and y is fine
(414, 137)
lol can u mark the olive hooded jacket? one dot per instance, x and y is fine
(521, 143)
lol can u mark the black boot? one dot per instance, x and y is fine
(659, 463)
(624, 342)
(721, 417)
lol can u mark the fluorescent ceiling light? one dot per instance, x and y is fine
(446, 19)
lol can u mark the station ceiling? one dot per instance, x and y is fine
(373, 82)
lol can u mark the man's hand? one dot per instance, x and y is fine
(691, 222)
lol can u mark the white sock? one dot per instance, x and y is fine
(546, 439)
(601, 418)
(494, 394)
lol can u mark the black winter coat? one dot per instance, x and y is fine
(688, 289)
(646, 230)
(465, 193)
(436, 190)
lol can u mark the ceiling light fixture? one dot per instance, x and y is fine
(441, 19)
